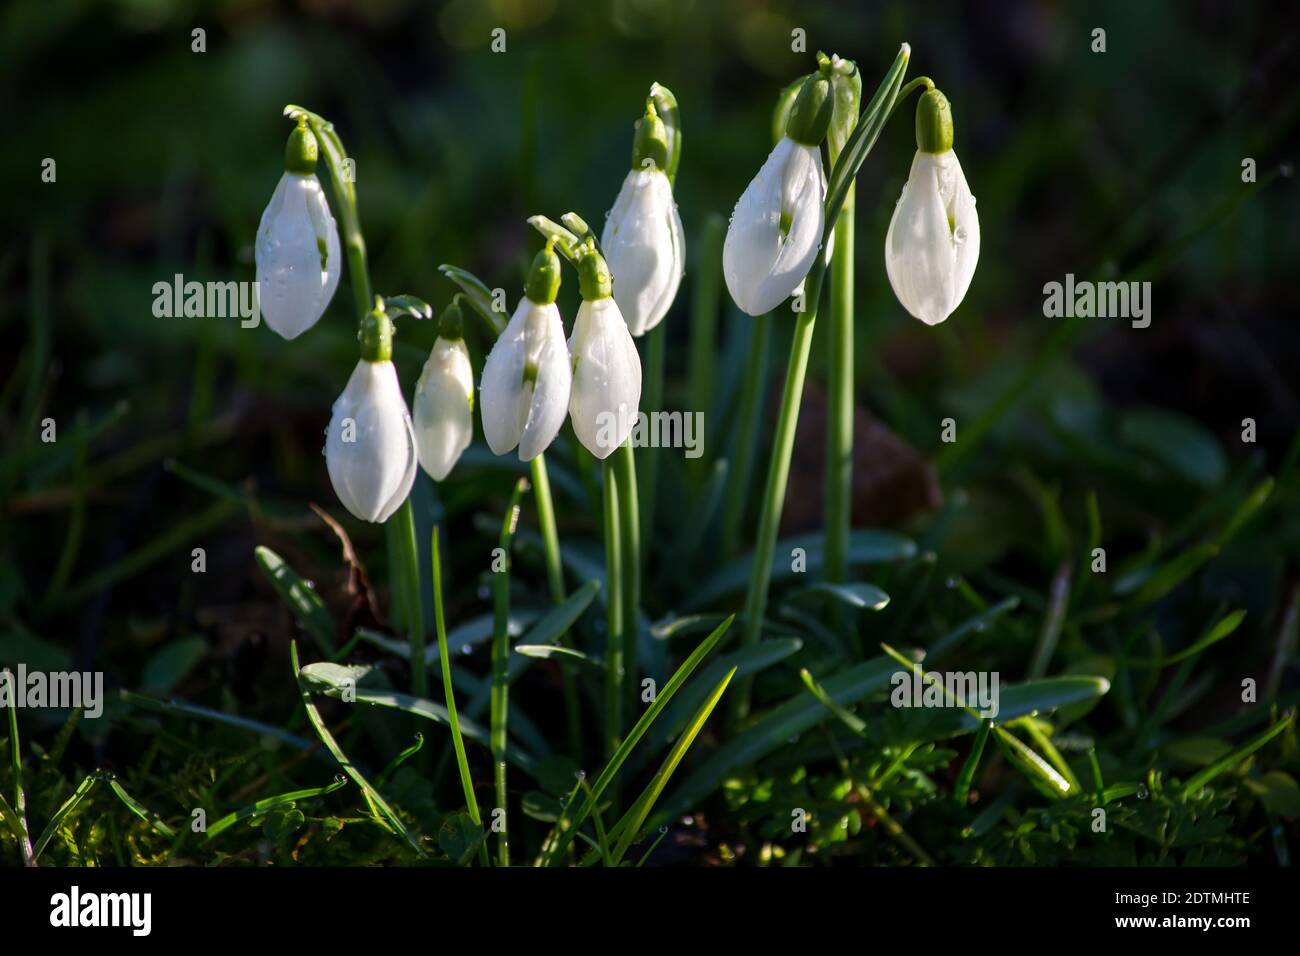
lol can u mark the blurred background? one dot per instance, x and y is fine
(177, 433)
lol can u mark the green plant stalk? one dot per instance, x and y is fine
(747, 414)
(840, 385)
(851, 157)
(630, 544)
(409, 580)
(961, 792)
(555, 582)
(457, 739)
(500, 696)
(614, 611)
(652, 400)
(778, 474)
(16, 766)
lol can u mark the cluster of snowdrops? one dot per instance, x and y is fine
(628, 281)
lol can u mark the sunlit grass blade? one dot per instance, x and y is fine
(139, 809)
(64, 812)
(1041, 774)
(846, 716)
(630, 826)
(1236, 756)
(400, 759)
(372, 795)
(572, 821)
(270, 803)
(961, 792)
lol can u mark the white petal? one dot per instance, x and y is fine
(369, 446)
(443, 408)
(606, 377)
(515, 412)
(763, 265)
(643, 246)
(298, 257)
(933, 241)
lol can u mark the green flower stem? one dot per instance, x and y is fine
(457, 739)
(555, 581)
(778, 474)
(500, 697)
(408, 587)
(851, 157)
(652, 400)
(840, 386)
(614, 612)
(630, 546)
(747, 414)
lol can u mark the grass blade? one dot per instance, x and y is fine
(1236, 756)
(630, 825)
(332, 746)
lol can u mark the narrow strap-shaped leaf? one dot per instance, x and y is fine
(634, 735)
(332, 746)
(270, 803)
(628, 828)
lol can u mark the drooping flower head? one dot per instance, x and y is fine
(526, 378)
(776, 227)
(297, 249)
(369, 445)
(606, 367)
(444, 398)
(933, 241)
(642, 240)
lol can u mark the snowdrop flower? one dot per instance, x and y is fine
(444, 398)
(934, 236)
(642, 240)
(369, 445)
(526, 377)
(776, 228)
(606, 367)
(297, 250)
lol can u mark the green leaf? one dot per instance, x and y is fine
(271, 803)
(1278, 791)
(858, 595)
(402, 305)
(548, 651)
(1236, 756)
(305, 603)
(541, 806)
(172, 664)
(459, 837)
(477, 294)
(317, 722)
(779, 725)
(1177, 443)
(1197, 751)
(1172, 573)
(629, 827)
(63, 813)
(865, 547)
(565, 833)
(283, 823)
(557, 622)
(1217, 632)
(1017, 700)
(747, 660)
(1038, 771)
(141, 811)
